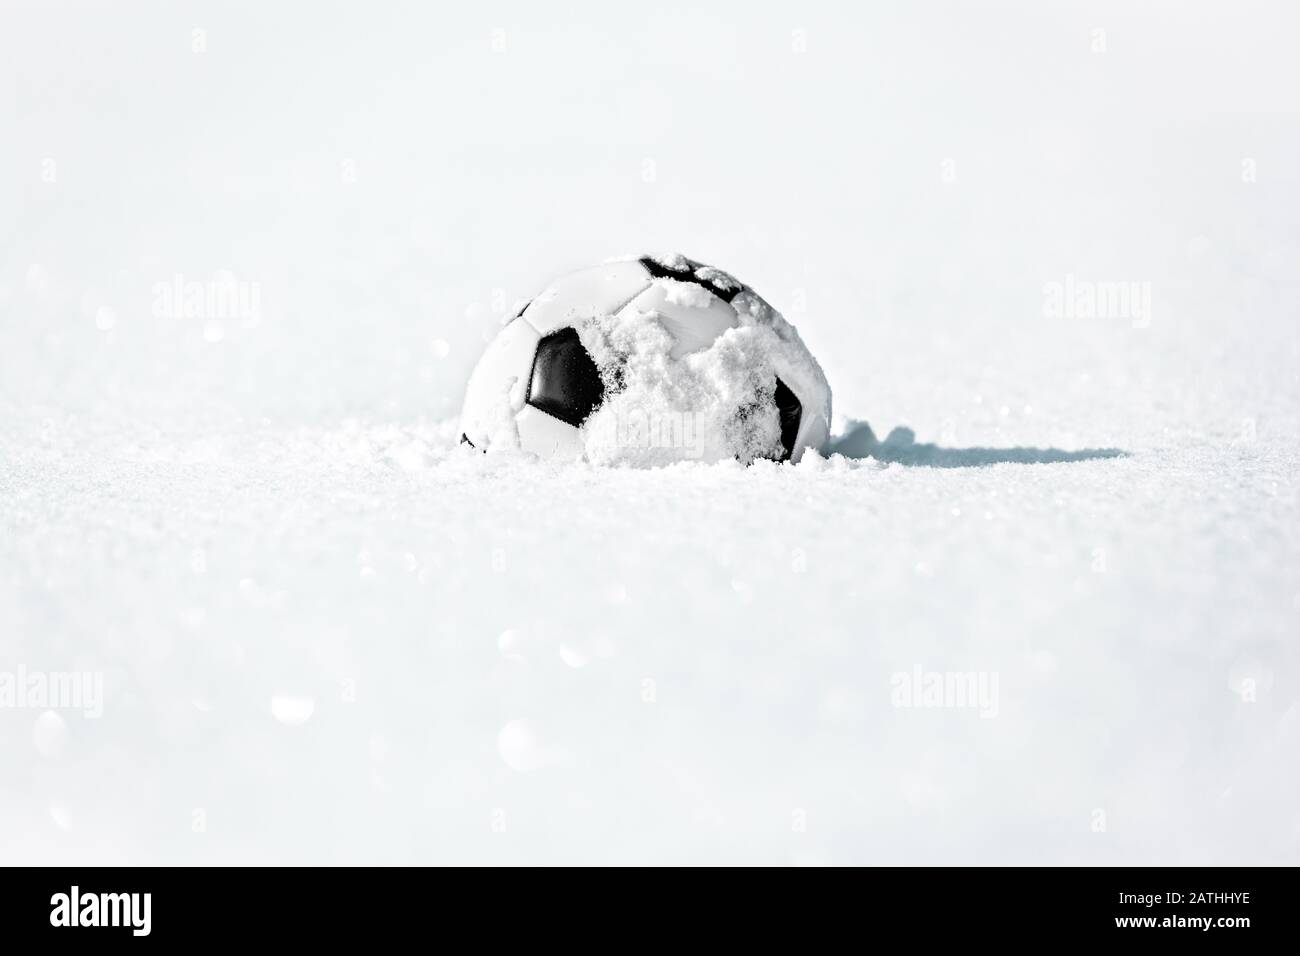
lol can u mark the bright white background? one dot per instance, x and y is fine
(506, 661)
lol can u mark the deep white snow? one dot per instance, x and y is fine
(245, 273)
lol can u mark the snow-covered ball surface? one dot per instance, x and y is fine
(648, 361)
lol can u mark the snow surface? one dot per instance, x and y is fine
(685, 293)
(327, 633)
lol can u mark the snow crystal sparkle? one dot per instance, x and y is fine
(647, 362)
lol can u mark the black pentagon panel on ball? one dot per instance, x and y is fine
(791, 411)
(565, 382)
(687, 274)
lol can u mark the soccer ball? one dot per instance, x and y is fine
(648, 361)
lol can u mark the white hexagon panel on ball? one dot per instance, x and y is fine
(648, 361)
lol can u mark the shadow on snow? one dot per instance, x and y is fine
(900, 446)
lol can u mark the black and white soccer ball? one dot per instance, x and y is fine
(648, 360)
